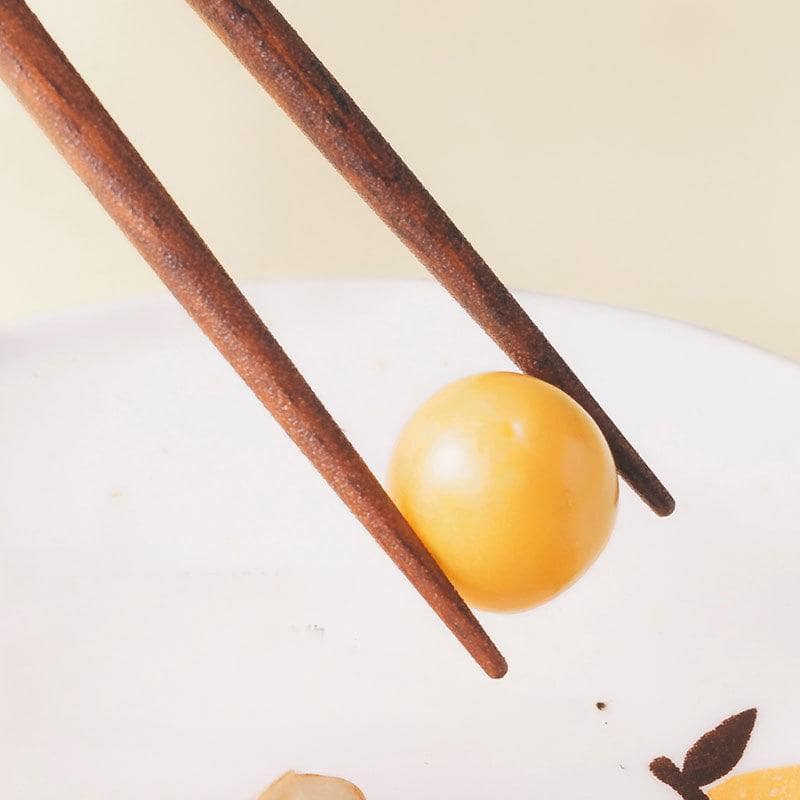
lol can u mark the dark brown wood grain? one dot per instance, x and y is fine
(75, 121)
(284, 65)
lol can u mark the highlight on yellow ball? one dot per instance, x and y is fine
(511, 486)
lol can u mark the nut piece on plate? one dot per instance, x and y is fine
(293, 786)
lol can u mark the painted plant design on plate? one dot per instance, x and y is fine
(714, 755)
(710, 760)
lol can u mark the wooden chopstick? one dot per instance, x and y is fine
(59, 100)
(285, 66)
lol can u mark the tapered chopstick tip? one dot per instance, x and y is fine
(497, 669)
(666, 505)
(488, 657)
(659, 499)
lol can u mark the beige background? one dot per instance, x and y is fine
(641, 153)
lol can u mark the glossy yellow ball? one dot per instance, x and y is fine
(766, 784)
(511, 486)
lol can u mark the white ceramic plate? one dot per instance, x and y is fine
(187, 610)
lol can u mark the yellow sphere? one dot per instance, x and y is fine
(511, 486)
(766, 784)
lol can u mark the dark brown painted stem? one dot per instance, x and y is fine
(668, 772)
(284, 65)
(75, 121)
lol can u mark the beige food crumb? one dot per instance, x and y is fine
(296, 786)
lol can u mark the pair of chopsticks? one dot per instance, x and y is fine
(62, 104)
(285, 66)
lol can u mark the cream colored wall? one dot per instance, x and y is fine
(644, 153)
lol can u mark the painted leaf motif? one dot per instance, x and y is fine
(717, 752)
